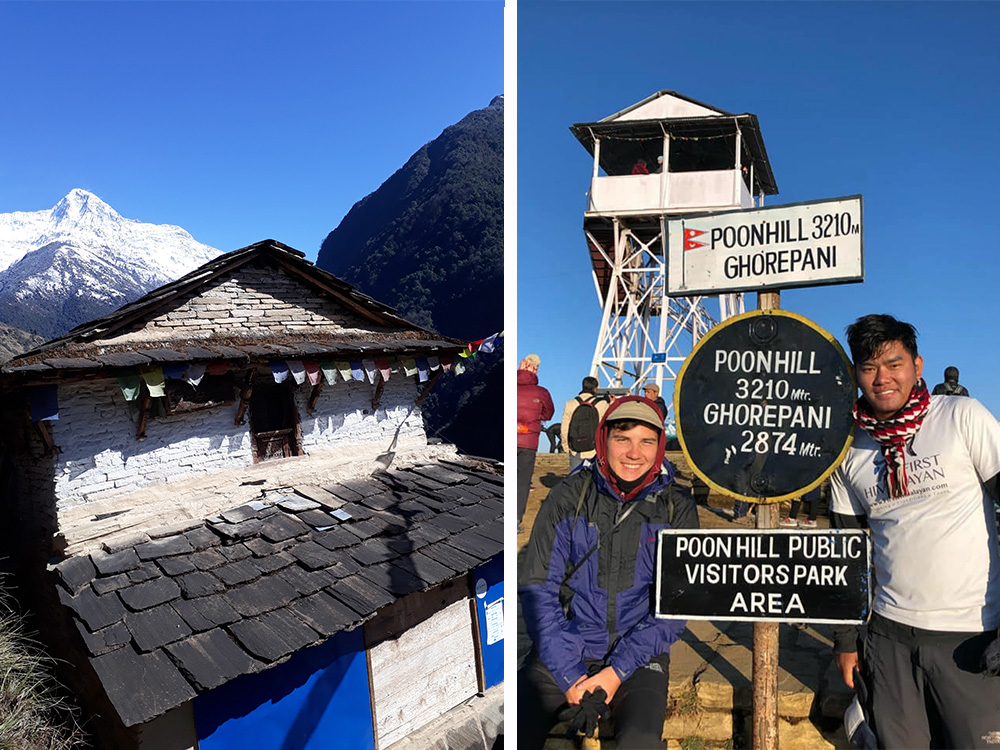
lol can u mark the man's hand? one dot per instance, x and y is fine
(574, 694)
(607, 678)
(846, 663)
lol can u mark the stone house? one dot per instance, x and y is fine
(237, 528)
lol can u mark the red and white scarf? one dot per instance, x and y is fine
(894, 434)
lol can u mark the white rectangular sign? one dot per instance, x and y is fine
(800, 244)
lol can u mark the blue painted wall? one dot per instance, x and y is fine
(318, 699)
(492, 574)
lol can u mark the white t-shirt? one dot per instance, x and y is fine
(936, 557)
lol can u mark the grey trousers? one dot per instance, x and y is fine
(927, 690)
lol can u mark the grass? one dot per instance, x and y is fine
(33, 713)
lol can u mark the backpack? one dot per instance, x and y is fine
(582, 433)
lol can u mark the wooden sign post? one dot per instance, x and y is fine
(763, 411)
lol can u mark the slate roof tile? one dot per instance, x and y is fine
(336, 538)
(156, 686)
(261, 548)
(207, 612)
(240, 513)
(211, 659)
(371, 552)
(303, 581)
(202, 538)
(360, 595)
(171, 545)
(324, 614)
(238, 530)
(313, 555)
(111, 583)
(237, 572)
(145, 572)
(260, 596)
(235, 552)
(76, 572)
(451, 523)
(207, 559)
(149, 594)
(475, 544)
(274, 562)
(317, 518)
(455, 559)
(440, 474)
(273, 635)
(343, 492)
(282, 526)
(97, 611)
(176, 566)
(320, 496)
(358, 512)
(428, 570)
(105, 640)
(156, 627)
(362, 487)
(198, 584)
(365, 529)
(384, 500)
(414, 511)
(395, 580)
(119, 562)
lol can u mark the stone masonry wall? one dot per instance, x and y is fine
(101, 458)
(261, 301)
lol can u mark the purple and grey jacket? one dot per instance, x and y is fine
(609, 608)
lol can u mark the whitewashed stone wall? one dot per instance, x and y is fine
(101, 457)
(254, 301)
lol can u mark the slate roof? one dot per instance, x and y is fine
(194, 605)
(81, 349)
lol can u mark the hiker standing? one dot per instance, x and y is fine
(534, 406)
(950, 386)
(586, 584)
(581, 416)
(921, 473)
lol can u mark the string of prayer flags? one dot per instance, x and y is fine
(279, 369)
(459, 367)
(357, 372)
(370, 369)
(446, 362)
(174, 371)
(44, 402)
(409, 367)
(433, 363)
(194, 373)
(344, 368)
(489, 344)
(130, 385)
(297, 369)
(423, 369)
(382, 363)
(312, 371)
(154, 380)
(329, 370)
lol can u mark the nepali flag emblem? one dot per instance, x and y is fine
(690, 243)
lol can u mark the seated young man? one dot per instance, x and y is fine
(586, 584)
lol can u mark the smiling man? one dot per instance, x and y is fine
(586, 583)
(922, 474)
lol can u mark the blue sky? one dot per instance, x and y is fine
(238, 121)
(894, 101)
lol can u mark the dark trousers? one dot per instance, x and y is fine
(525, 468)
(927, 690)
(639, 707)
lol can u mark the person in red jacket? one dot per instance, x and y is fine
(534, 406)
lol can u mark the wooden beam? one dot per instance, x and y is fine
(147, 402)
(245, 393)
(427, 388)
(314, 397)
(45, 431)
(379, 387)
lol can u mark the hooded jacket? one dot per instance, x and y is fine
(603, 610)
(534, 406)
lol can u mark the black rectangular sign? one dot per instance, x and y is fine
(774, 575)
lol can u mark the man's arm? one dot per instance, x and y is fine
(567, 416)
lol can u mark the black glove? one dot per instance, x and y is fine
(583, 718)
(990, 661)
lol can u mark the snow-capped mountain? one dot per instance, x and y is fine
(81, 259)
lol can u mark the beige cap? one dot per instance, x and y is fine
(638, 409)
(651, 387)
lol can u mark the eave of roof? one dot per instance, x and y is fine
(198, 604)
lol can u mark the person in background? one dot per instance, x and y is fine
(791, 520)
(587, 408)
(640, 167)
(652, 392)
(586, 584)
(534, 406)
(922, 474)
(950, 386)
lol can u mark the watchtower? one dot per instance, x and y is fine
(665, 156)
